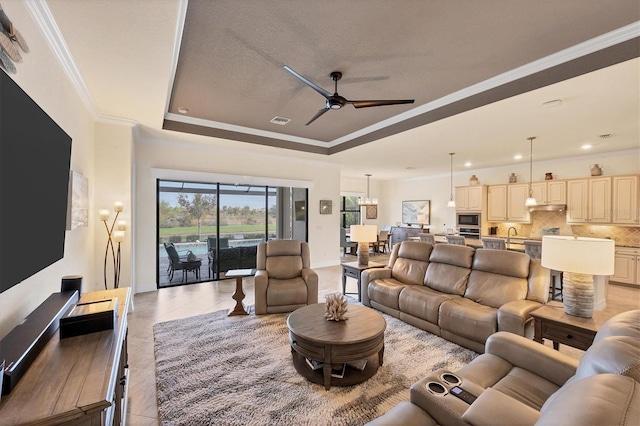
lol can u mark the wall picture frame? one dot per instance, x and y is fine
(78, 201)
(371, 211)
(326, 206)
(413, 212)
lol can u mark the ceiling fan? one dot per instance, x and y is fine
(335, 101)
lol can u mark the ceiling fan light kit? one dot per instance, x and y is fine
(335, 101)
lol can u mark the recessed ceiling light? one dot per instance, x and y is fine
(586, 146)
(410, 168)
(467, 164)
(606, 135)
(183, 110)
(517, 157)
(552, 104)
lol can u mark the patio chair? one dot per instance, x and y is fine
(175, 263)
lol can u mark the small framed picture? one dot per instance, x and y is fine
(372, 212)
(325, 206)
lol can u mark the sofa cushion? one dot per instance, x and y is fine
(614, 354)
(422, 302)
(468, 319)
(287, 292)
(526, 387)
(603, 399)
(495, 290)
(624, 324)
(385, 291)
(284, 267)
(411, 263)
(502, 262)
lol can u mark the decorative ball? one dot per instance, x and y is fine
(336, 307)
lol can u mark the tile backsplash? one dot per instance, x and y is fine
(622, 235)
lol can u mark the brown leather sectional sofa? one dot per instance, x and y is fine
(520, 382)
(462, 294)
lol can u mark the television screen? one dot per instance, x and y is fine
(35, 155)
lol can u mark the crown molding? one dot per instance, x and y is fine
(41, 14)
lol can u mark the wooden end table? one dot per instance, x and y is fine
(354, 270)
(238, 295)
(336, 342)
(551, 322)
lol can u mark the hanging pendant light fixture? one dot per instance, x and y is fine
(531, 201)
(451, 202)
(368, 201)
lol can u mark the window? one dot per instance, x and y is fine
(350, 211)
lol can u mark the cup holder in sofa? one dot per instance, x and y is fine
(450, 379)
(436, 388)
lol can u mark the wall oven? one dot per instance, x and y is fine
(467, 219)
(474, 233)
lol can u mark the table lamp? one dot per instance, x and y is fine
(363, 235)
(579, 258)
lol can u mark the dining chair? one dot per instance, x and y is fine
(383, 241)
(494, 243)
(456, 239)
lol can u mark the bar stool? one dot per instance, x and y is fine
(534, 249)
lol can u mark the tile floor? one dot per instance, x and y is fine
(179, 302)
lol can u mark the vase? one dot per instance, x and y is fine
(473, 180)
(578, 294)
(513, 178)
(548, 176)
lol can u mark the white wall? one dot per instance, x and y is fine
(41, 77)
(324, 236)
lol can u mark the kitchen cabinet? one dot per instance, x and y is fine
(625, 200)
(497, 203)
(517, 194)
(589, 200)
(470, 198)
(550, 192)
(627, 266)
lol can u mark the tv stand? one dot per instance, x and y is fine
(77, 380)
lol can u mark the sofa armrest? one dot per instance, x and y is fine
(496, 408)
(532, 356)
(311, 278)
(369, 275)
(514, 317)
(261, 281)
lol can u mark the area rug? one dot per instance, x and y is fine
(213, 369)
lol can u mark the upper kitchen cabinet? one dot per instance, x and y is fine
(550, 192)
(470, 198)
(517, 194)
(497, 203)
(625, 200)
(589, 200)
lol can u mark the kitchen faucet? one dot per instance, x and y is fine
(509, 233)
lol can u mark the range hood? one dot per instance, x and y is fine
(548, 208)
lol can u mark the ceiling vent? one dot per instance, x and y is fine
(280, 120)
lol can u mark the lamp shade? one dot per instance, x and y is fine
(591, 256)
(363, 233)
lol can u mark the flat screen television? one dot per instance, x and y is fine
(35, 156)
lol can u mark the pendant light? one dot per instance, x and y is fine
(451, 202)
(531, 201)
(367, 201)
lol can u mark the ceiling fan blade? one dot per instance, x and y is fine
(318, 114)
(309, 83)
(366, 104)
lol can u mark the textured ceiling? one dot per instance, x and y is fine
(229, 70)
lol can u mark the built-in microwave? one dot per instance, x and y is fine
(468, 219)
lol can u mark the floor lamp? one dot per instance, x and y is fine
(363, 235)
(580, 259)
(116, 236)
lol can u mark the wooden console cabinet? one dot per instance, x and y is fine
(80, 380)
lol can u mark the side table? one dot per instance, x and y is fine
(354, 270)
(238, 295)
(551, 322)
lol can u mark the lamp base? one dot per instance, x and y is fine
(578, 294)
(363, 253)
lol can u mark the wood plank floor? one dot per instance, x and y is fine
(184, 301)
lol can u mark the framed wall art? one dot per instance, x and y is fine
(325, 206)
(371, 211)
(78, 207)
(416, 212)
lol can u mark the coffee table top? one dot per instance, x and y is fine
(363, 325)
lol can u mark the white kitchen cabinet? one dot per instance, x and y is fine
(517, 194)
(589, 200)
(625, 200)
(627, 266)
(550, 192)
(497, 203)
(470, 198)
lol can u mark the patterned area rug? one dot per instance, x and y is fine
(217, 370)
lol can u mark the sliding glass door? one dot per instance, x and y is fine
(206, 229)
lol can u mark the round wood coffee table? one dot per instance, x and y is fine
(336, 342)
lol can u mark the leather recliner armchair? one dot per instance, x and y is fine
(284, 280)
